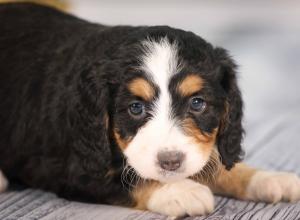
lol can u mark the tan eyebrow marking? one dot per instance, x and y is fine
(140, 87)
(191, 84)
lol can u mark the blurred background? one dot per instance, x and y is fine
(263, 36)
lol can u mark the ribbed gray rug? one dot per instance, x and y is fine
(34, 204)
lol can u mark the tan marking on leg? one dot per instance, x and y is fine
(190, 85)
(233, 182)
(141, 88)
(244, 182)
(123, 143)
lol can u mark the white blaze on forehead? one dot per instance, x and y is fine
(160, 60)
(160, 63)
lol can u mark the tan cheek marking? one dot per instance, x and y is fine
(141, 88)
(190, 85)
(123, 143)
(208, 140)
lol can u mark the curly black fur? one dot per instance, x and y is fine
(59, 79)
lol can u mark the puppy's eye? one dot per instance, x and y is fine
(197, 104)
(136, 108)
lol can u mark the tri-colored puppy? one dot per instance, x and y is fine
(147, 117)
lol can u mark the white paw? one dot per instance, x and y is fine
(3, 182)
(274, 187)
(181, 198)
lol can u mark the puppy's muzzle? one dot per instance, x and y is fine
(170, 160)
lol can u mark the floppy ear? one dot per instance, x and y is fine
(230, 131)
(92, 141)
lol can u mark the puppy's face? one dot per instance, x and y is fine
(168, 113)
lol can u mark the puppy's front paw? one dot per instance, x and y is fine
(181, 198)
(3, 182)
(274, 187)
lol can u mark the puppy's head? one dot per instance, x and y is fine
(178, 103)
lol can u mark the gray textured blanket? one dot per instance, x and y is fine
(34, 204)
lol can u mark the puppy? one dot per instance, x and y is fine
(145, 117)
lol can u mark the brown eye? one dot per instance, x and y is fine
(136, 108)
(197, 104)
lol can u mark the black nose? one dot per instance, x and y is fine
(170, 160)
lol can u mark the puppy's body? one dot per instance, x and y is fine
(78, 100)
(53, 92)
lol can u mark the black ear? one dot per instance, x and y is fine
(91, 118)
(230, 130)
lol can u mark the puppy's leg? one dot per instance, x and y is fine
(244, 182)
(3, 182)
(185, 197)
